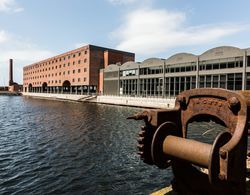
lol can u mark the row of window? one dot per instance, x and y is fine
(174, 85)
(52, 68)
(59, 81)
(56, 60)
(42, 76)
(159, 69)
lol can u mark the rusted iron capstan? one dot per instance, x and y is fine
(163, 141)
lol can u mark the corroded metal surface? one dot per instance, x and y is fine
(163, 141)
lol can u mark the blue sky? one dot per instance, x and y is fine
(31, 30)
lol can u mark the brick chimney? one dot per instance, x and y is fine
(11, 72)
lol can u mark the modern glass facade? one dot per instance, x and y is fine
(221, 67)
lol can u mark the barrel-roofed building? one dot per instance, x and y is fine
(221, 67)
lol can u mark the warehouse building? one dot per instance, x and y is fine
(76, 71)
(221, 67)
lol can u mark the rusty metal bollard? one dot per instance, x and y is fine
(163, 141)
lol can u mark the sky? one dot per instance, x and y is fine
(32, 30)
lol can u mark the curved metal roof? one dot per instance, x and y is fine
(181, 58)
(221, 52)
(111, 67)
(129, 65)
(152, 62)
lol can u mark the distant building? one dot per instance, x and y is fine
(222, 67)
(75, 71)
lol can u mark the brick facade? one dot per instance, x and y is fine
(73, 71)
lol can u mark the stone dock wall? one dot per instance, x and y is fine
(114, 100)
(137, 101)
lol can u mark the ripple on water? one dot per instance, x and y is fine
(49, 147)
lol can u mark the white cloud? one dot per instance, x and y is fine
(22, 51)
(3, 36)
(149, 31)
(10, 6)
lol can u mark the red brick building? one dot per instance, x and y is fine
(76, 71)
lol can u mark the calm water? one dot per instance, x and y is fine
(51, 147)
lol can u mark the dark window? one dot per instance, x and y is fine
(223, 65)
(208, 67)
(215, 66)
(230, 65)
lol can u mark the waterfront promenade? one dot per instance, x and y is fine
(144, 102)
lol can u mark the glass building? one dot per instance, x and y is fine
(221, 67)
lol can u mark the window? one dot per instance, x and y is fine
(68, 72)
(63, 73)
(73, 71)
(79, 70)
(63, 65)
(69, 64)
(79, 53)
(84, 79)
(74, 63)
(85, 52)
(74, 56)
(79, 61)
(59, 73)
(73, 80)
(60, 66)
(85, 70)
(69, 57)
(79, 79)
(85, 60)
